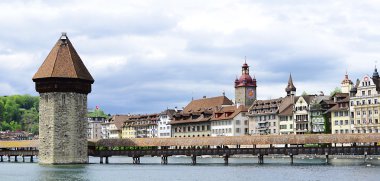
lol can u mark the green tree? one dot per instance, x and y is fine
(336, 90)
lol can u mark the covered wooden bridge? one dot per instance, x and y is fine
(319, 144)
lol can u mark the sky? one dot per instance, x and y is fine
(146, 56)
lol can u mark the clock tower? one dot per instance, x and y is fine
(245, 87)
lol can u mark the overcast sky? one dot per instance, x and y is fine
(146, 56)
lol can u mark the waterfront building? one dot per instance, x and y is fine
(320, 119)
(245, 88)
(95, 119)
(105, 129)
(230, 121)
(164, 129)
(63, 83)
(286, 108)
(301, 114)
(340, 114)
(364, 104)
(145, 126)
(263, 117)
(195, 119)
(115, 125)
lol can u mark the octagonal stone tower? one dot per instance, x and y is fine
(63, 82)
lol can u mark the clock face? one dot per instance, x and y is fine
(250, 93)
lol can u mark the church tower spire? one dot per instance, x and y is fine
(290, 88)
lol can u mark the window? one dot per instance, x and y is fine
(369, 92)
(237, 130)
(282, 126)
(363, 92)
(336, 122)
(364, 112)
(376, 111)
(336, 131)
(363, 102)
(345, 113)
(63, 99)
(357, 103)
(369, 112)
(341, 122)
(341, 113)
(274, 130)
(357, 121)
(346, 122)
(352, 103)
(369, 101)
(237, 122)
(274, 123)
(336, 114)
(358, 113)
(245, 122)
(341, 131)
(376, 121)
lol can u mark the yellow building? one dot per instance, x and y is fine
(128, 131)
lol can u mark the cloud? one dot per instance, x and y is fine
(148, 55)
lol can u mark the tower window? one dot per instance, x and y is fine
(63, 99)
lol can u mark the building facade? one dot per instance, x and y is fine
(95, 119)
(195, 119)
(341, 122)
(364, 105)
(263, 117)
(230, 121)
(164, 129)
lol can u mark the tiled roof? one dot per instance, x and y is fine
(63, 62)
(119, 120)
(207, 103)
(288, 111)
(228, 112)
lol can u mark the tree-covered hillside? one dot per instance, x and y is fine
(19, 112)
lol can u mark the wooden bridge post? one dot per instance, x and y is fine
(327, 157)
(291, 158)
(164, 160)
(23, 158)
(226, 159)
(31, 159)
(107, 160)
(365, 157)
(9, 158)
(193, 159)
(101, 160)
(260, 159)
(16, 159)
(1, 158)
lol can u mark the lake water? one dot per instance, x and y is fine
(179, 168)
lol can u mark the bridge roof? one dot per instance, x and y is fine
(19, 144)
(244, 140)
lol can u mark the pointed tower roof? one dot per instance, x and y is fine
(346, 80)
(290, 86)
(63, 62)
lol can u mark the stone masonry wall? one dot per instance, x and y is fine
(62, 128)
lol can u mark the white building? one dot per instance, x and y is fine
(230, 121)
(365, 105)
(164, 129)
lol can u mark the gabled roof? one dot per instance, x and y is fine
(119, 120)
(207, 103)
(228, 112)
(63, 62)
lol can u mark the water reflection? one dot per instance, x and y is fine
(63, 172)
